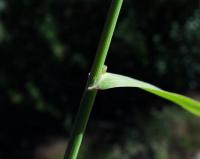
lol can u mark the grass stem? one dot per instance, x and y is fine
(88, 97)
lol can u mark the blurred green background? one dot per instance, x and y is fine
(46, 51)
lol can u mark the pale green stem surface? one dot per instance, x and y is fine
(88, 97)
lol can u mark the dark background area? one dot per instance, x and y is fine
(46, 51)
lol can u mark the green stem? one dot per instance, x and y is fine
(88, 97)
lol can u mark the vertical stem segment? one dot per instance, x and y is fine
(88, 97)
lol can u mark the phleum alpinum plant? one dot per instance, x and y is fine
(99, 79)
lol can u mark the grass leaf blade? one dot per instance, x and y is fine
(110, 80)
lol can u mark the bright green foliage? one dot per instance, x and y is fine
(110, 80)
